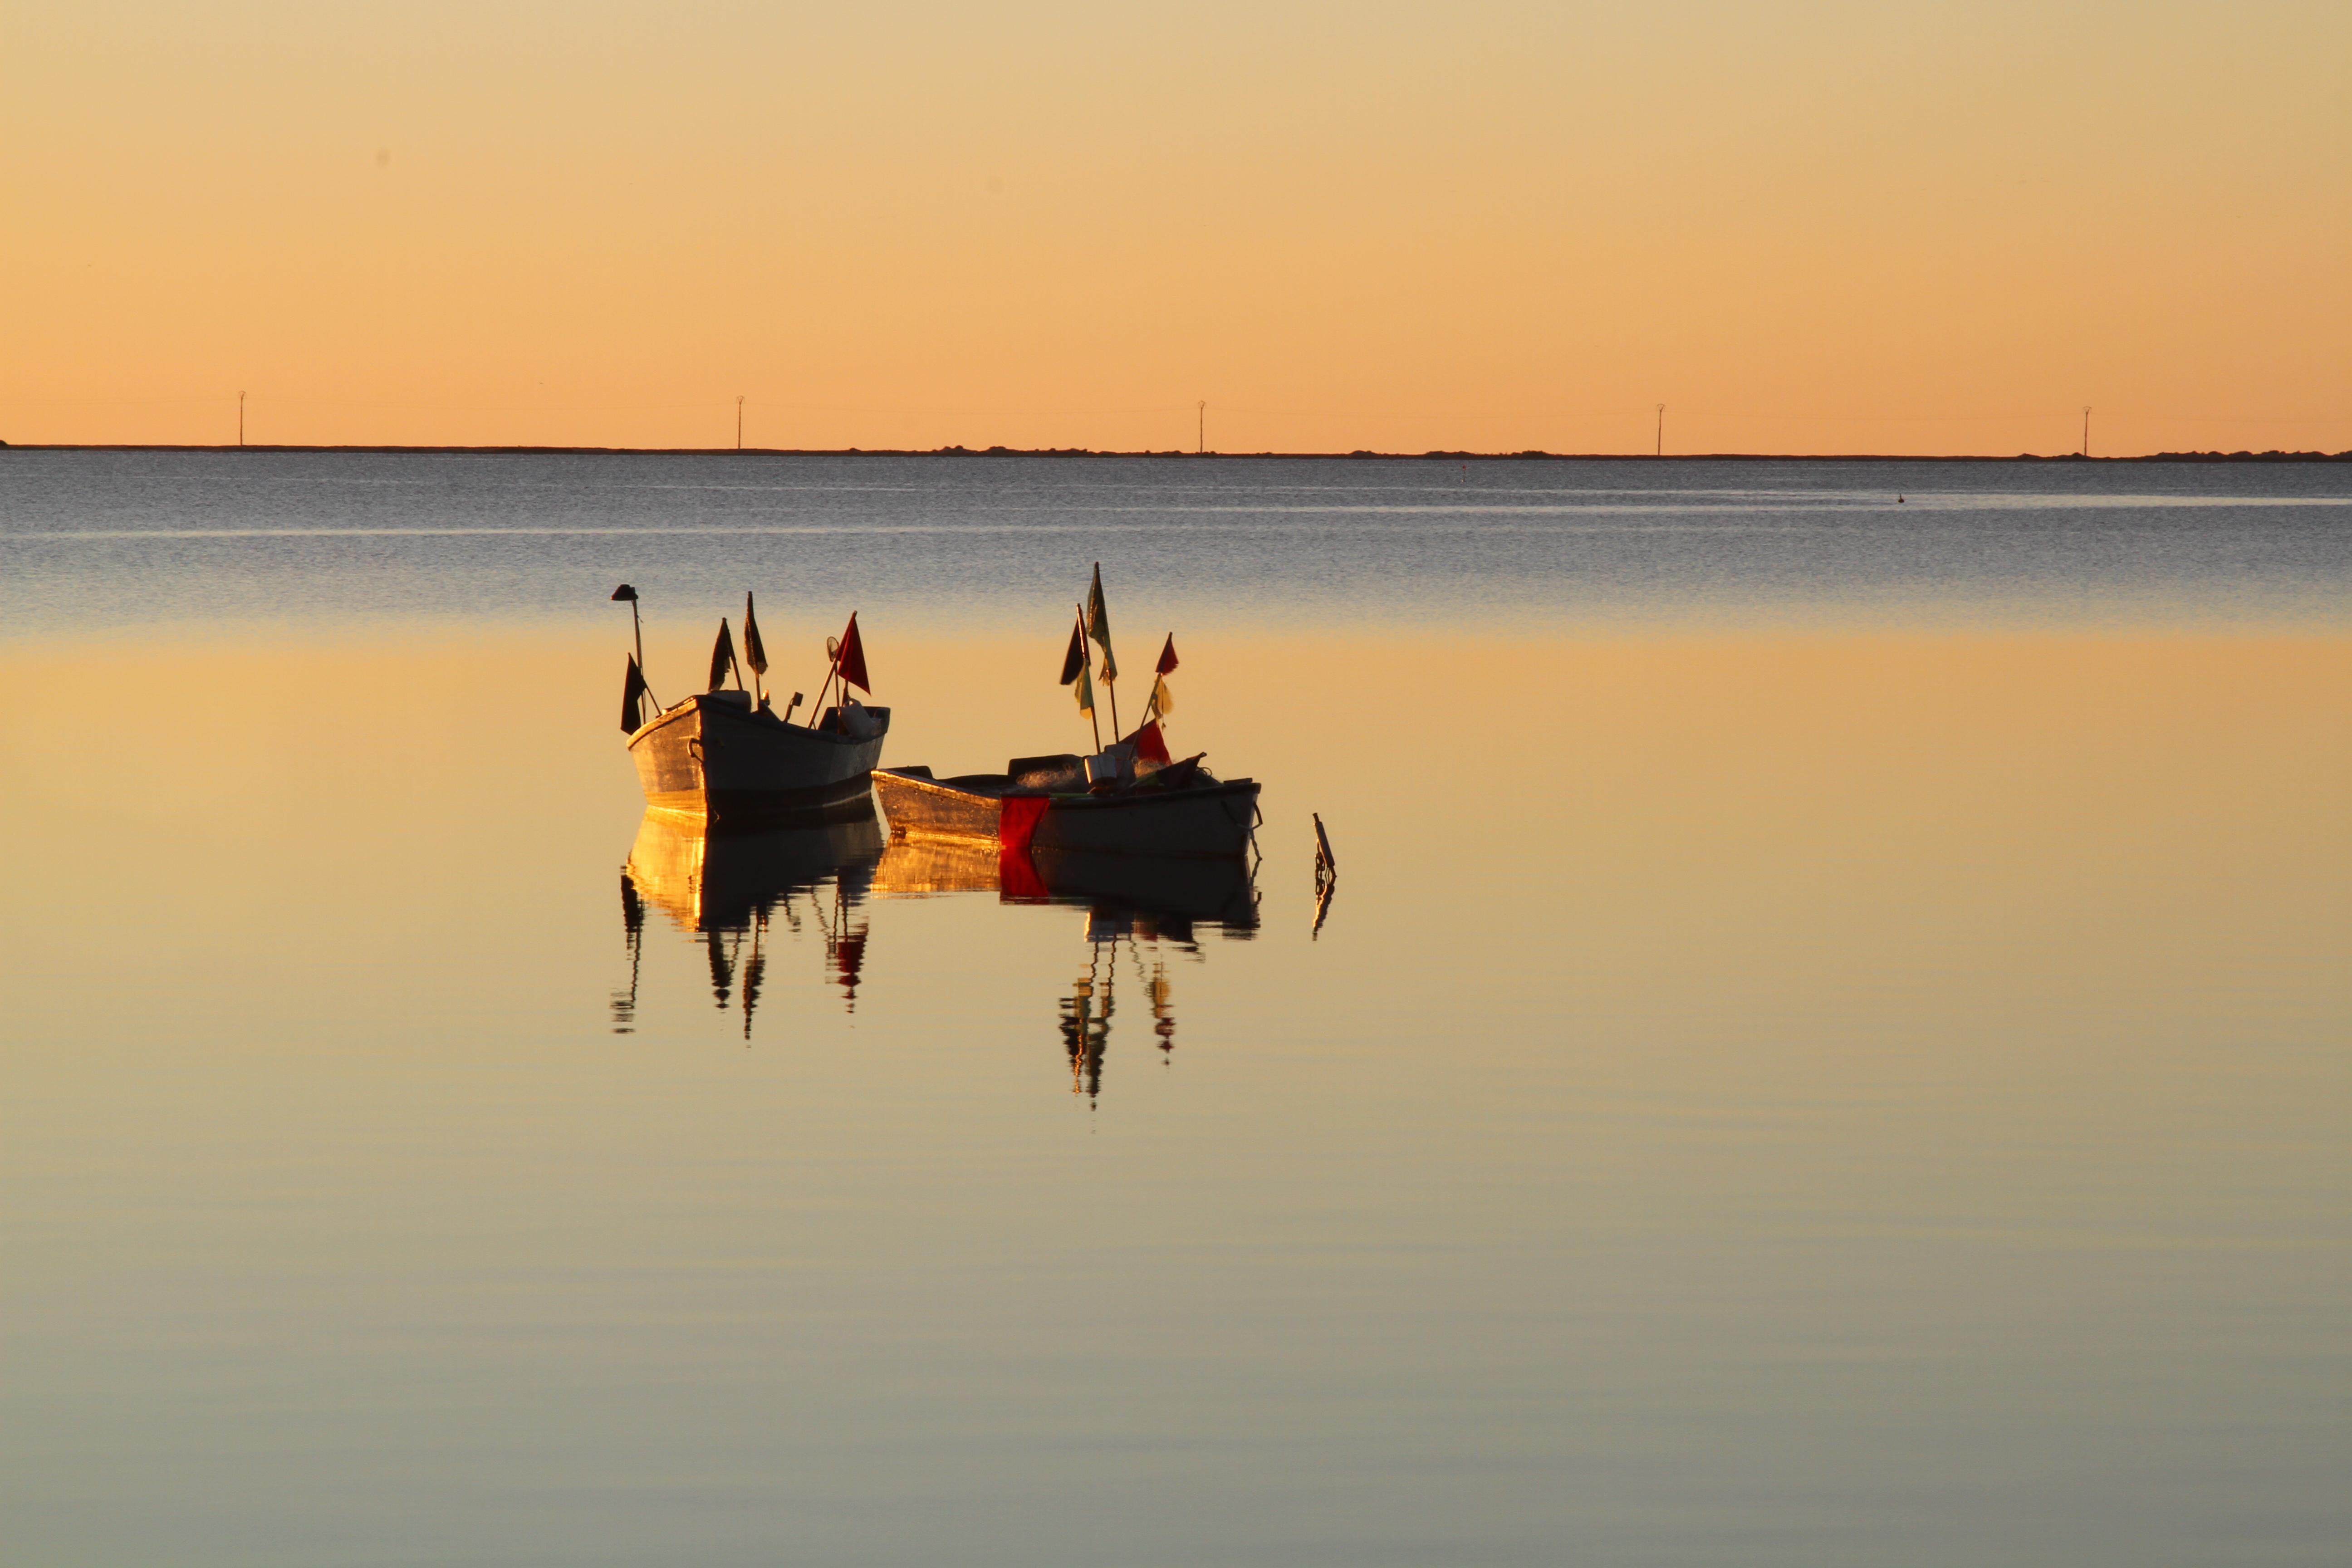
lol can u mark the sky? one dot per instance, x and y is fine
(1815, 227)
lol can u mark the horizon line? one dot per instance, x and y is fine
(2273, 455)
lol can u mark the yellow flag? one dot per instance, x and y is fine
(1161, 703)
(1086, 691)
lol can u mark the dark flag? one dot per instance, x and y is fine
(633, 694)
(1098, 624)
(755, 653)
(1168, 656)
(852, 658)
(722, 657)
(1075, 660)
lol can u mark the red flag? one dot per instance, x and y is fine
(1149, 745)
(852, 662)
(1167, 655)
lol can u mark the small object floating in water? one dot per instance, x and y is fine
(726, 758)
(1327, 876)
(1898, 501)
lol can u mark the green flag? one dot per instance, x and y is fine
(1086, 691)
(1098, 613)
(1161, 702)
(755, 652)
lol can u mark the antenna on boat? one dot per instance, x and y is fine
(629, 593)
(833, 667)
(637, 626)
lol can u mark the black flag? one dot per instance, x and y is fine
(722, 657)
(1075, 660)
(633, 693)
(755, 653)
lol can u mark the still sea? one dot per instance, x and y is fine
(1831, 1042)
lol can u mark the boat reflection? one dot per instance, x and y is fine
(730, 892)
(1138, 907)
(727, 889)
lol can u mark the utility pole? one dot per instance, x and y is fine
(739, 421)
(240, 419)
(1203, 432)
(2086, 429)
(1661, 431)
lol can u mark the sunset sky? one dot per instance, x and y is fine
(1812, 227)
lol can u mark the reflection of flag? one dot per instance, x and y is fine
(632, 692)
(722, 657)
(1149, 747)
(1075, 660)
(755, 653)
(852, 661)
(1161, 702)
(1086, 691)
(1168, 656)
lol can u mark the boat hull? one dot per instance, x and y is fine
(721, 763)
(1209, 821)
(1213, 822)
(922, 808)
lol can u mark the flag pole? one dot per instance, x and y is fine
(1086, 645)
(1109, 659)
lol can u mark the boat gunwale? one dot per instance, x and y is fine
(693, 702)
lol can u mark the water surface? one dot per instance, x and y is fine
(1829, 1044)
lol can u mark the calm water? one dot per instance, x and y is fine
(1830, 1044)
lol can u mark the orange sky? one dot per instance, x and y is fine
(1812, 227)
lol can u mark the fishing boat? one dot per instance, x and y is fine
(726, 757)
(1130, 797)
(1182, 810)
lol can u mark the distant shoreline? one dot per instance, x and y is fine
(1084, 452)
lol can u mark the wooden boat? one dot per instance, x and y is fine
(724, 758)
(715, 758)
(1045, 803)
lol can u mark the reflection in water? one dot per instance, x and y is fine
(728, 887)
(729, 890)
(1141, 904)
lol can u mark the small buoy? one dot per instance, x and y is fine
(1898, 501)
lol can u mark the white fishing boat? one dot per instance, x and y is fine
(718, 759)
(726, 757)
